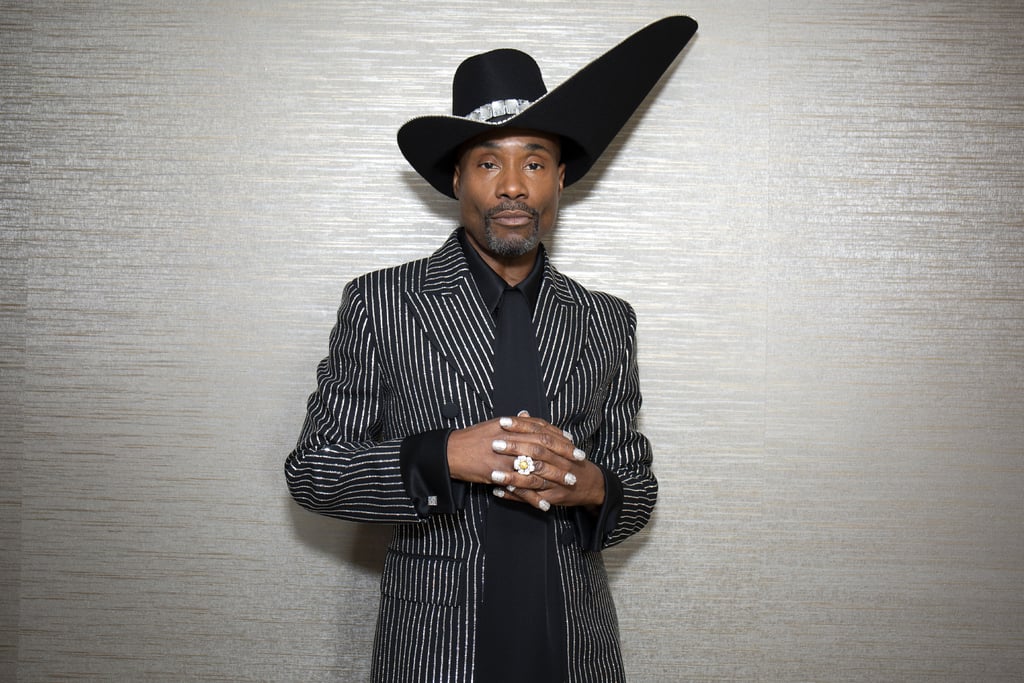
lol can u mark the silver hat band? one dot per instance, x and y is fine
(498, 109)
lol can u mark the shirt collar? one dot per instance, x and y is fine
(492, 286)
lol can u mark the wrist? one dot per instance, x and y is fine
(595, 495)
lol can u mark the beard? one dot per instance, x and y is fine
(512, 247)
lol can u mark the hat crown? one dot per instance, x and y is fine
(504, 74)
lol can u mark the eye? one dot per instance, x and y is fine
(535, 166)
(488, 165)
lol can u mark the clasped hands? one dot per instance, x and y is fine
(486, 452)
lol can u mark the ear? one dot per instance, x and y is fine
(561, 178)
(456, 175)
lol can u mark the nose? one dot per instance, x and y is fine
(511, 184)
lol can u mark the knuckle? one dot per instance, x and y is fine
(537, 483)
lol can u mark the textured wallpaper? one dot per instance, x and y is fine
(819, 218)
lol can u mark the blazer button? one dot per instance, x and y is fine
(450, 410)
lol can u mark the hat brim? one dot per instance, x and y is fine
(586, 111)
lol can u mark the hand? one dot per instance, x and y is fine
(485, 453)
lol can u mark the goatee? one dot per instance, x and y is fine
(512, 247)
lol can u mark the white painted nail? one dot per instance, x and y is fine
(578, 454)
(544, 505)
(499, 445)
(523, 413)
(499, 477)
(567, 434)
(510, 488)
(570, 479)
(500, 493)
(505, 422)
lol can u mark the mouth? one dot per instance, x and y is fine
(512, 219)
(508, 217)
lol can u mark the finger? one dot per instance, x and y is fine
(526, 424)
(527, 454)
(523, 496)
(558, 441)
(509, 493)
(537, 500)
(539, 446)
(553, 474)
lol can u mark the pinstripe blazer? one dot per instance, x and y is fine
(412, 352)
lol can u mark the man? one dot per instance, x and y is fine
(486, 404)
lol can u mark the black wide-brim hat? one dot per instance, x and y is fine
(504, 89)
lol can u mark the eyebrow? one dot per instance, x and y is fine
(529, 146)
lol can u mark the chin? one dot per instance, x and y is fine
(515, 244)
(513, 247)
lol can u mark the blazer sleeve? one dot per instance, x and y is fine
(342, 466)
(623, 451)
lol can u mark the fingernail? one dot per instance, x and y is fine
(570, 479)
(510, 488)
(567, 434)
(505, 422)
(499, 445)
(544, 505)
(578, 454)
(499, 477)
(500, 493)
(523, 413)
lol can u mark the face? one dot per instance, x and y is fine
(508, 185)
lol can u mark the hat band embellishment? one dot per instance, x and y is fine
(499, 108)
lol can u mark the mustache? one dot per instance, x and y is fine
(512, 206)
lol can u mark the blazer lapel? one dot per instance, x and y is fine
(561, 322)
(452, 315)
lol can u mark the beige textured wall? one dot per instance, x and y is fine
(820, 221)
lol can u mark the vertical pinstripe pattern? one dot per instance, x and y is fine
(410, 340)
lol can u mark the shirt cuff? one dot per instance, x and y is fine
(592, 527)
(424, 464)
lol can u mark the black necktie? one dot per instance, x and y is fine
(521, 628)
